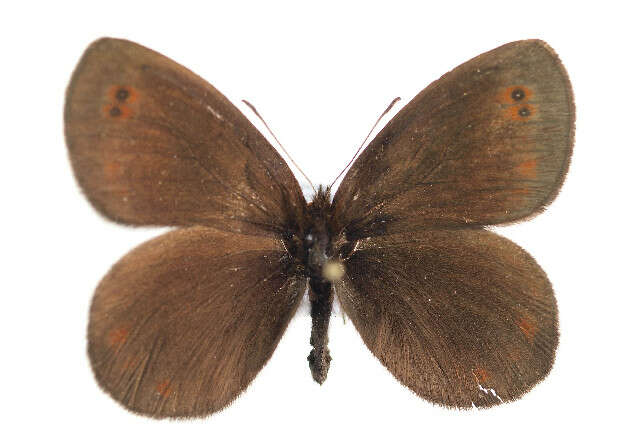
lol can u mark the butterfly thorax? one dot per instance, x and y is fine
(316, 241)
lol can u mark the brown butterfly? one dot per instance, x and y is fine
(462, 316)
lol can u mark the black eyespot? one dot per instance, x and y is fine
(517, 94)
(122, 94)
(524, 112)
(115, 112)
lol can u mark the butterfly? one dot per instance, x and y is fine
(182, 324)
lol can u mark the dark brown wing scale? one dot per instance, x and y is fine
(488, 143)
(458, 314)
(151, 143)
(181, 325)
(461, 317)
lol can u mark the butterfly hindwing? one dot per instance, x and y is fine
(181, 325)
(488, 143)
(461, 317)
(151, 143)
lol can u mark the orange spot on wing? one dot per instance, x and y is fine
(116, 111)
(528, 169)
(481, 374)
(106, 110)
(518, 196)
(118, 99)
(520, 192)
(164, 388)
(520, 112)
(117, 337)
(505, 96)
(528, 327)
(112, 169)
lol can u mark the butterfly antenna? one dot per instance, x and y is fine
(255, 111)
(393, 102)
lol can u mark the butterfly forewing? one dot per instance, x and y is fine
(462, 317)
(151, 143)
(181, 325)
(488, 143)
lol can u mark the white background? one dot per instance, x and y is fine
(320, 75)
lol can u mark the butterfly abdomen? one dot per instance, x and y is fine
(321, 297)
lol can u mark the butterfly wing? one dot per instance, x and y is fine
(461, 317)
(151, 143)
(181, 325)
(488, 143)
